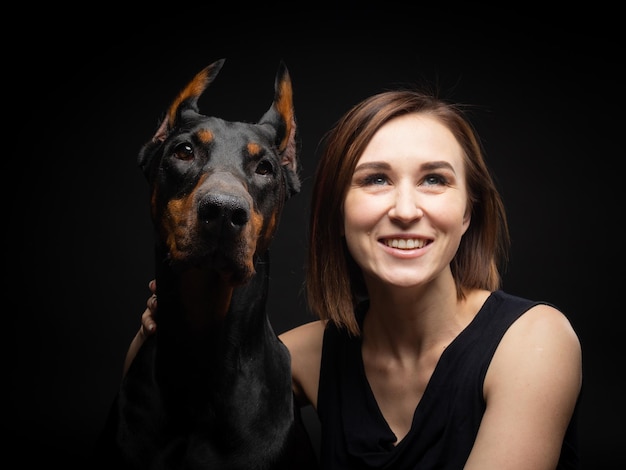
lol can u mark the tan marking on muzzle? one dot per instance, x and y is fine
(178, 222)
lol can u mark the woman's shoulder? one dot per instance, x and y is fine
(539, 315)
(542, 336)
(544, 322)
(305, 335)
(304, 343)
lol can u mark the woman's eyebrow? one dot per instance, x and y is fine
(428, 166)
(373, 166)
(438, 165)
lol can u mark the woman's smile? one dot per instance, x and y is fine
(404, 243)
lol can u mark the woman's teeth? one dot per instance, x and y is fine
(404, 244)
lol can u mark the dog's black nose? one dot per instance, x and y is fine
(226, 210)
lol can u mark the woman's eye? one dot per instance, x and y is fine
(376, 179)
(434, 180)
(264, 168)
(184, 152)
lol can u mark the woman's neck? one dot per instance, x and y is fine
(420, 317)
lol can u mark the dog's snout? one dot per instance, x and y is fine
(225, 210)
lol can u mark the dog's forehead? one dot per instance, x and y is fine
(209, 129)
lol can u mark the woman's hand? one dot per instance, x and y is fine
(148, 325)
(147, 328)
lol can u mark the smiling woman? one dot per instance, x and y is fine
(412, 169)
(419, 359)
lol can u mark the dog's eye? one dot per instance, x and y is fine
(264, 168)
(184, 152)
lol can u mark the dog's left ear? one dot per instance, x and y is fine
(281, 116)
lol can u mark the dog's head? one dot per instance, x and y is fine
(217, 187)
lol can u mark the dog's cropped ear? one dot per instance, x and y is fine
(187, 100)
(282, 117)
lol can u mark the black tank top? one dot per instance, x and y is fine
(354, 434)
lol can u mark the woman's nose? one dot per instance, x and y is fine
(406, 205)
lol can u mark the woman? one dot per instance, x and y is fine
(419, 360)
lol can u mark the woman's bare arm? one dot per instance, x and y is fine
(530, 389)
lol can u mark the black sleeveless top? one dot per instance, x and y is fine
(355, 435)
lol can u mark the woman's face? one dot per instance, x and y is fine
(406, 208)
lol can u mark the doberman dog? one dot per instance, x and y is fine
(212, 389)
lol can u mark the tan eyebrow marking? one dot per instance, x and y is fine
(205, 136)
(253, 149)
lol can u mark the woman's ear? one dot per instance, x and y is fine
(467, 217)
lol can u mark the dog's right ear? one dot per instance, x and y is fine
(187, 100)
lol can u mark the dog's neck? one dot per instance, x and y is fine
(202, 297)
(210, 332)
(199, 303)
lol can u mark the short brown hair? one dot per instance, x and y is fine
(334, 282)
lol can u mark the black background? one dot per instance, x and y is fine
(83, 94)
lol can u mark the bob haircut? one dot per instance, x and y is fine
(334, 282)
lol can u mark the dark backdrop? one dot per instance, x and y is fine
(546, 99)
